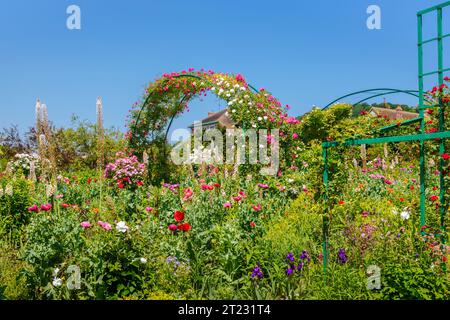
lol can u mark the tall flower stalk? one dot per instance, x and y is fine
(100, 143)
(46, 145)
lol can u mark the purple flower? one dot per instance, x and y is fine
(305, 256)
(289, 271)
(257, 272)
(342, 256)
(290, 257)
(300, 267)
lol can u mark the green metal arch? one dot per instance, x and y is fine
(385, 92)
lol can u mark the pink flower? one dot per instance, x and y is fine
(149, 209)
(85, 224)
(46, 207)
(227, 205)
(237, 198)
(263, 186)
(173, 227)
(257, 208)
(242, 194)
(240, 78)
(187, 194)
(104, 225)
(295, 136)
(388, 182)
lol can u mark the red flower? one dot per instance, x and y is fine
(252, 224)
(388, 182)
(179, 216)
(429, 111)
(402, 199)
(120, 185)
(237, 198)
(446, 79)
(65, 205)
(217, 185)
(341, 202)
(89, 181)
(434, 198)
(140, 183)
(184, 227)
(173, 227)
(445, 156)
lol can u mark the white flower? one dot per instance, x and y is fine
(121, 227)
(265, 117)
(234, 110)
(254, 125)
(290, 180)
(405, 215)
(57, 282)
(228, 95)
(220, 91)
(259, 118)
(213, 89)
(230, 103)
(232, 90)
(241, 101)
(394, 211)
(55, 272)
(143, 260)
(228, 85)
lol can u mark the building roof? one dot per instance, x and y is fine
(397, 113)
(221, 117)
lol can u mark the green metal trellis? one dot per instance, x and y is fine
(422, 137)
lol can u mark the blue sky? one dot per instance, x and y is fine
(305, 52)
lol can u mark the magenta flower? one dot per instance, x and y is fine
(173, 227)
(85, 224)
(46, 207)
(105, 225)
(227, 205)
(263, 186)
(295, 136)
(149, 209)
(33, 208)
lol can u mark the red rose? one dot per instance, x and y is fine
(434, 198)
(445, 156)
(184, 227)
(179, 216)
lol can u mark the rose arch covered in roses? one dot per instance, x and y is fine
(168, 97)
